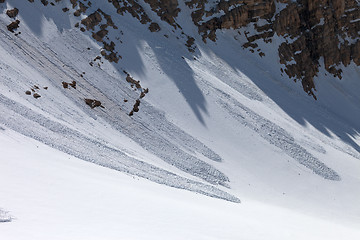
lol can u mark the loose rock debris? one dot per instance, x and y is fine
(93, 103)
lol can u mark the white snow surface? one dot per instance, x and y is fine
(223, 147)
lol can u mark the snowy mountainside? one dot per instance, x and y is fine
(216, 120)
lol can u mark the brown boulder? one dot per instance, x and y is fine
(12, 13)
(13, 26)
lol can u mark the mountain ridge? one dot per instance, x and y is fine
(313, 31)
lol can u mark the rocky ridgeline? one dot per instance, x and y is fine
(313, 29)
(315, 32)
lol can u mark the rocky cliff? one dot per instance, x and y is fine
(314, 33)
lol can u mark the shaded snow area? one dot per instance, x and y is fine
(223, 146)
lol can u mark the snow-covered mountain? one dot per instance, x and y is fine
(179, 120)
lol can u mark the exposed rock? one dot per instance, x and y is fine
(28, 92)
(236, 14)
(314, 29)
(314, 32)
(92, 20)
(12, 13)
(13, 26)
(109, 21)
(82, 9)
(136, 105)
(109, 47)
(129, 79)
(45, 2)
(36, 95)
(189, 43)
(167, 10)
(112, 57)
(154, 27)
(74, 3)
(93, 103)
(132, 7)
(96, 19)
(65, 84)
(320, 29)
(73, 84)
(99, 35)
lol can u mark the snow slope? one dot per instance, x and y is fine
(58, 196)
(221, 122)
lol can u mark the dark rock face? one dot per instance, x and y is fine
(12, 13)
(318, 29)
(321, 29)
(13, 26)
(92, 20)
(93, 103)
(167, 10)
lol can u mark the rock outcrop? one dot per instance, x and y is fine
(12, 13)
(167, 10)
(314, 32)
